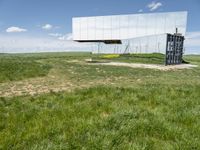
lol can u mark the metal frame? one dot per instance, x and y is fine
(174, 49)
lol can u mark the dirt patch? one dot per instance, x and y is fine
(48, 84)
(149, 66)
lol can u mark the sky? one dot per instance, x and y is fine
(46, 25)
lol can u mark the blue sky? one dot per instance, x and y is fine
(32, 24)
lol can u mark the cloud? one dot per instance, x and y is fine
(15, 29)
(62, 37)
(195, 34)
(140, 10)
(192, 39)
(55, 34)
(154, 5)
(19, 44)
(47, 27)
(66, 37)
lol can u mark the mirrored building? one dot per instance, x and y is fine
(135, 33)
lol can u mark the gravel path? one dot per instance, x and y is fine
(150, 66)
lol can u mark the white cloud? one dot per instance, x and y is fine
(55, 34)
(15, 29)
(47, 27)
(66, 37)
(193, 42)
(62, 37)
(154, 5)
(140, 10)
(192, 39)
(18, 44)
(195, 34)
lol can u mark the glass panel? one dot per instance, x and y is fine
(141, 25)
(148, 44)
(91, 28)
(132, 26)
(181, 22)
(170, 23)
(83, 23)
(160, 23)
(150, 25)
(76, 29)
(124, 26)
(162, 43)
(99, 28)
(115, 27)
(107, 27)
(129, 26)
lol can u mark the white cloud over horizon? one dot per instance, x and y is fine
(47, 27)
(55, 34)
(14, 29)
(154, 5)
(192, 42)
(140, 10)
(194, 34)
(16, 44)
(66, 37)
(63, 37)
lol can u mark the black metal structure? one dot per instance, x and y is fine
(103, 41)
(174, 49)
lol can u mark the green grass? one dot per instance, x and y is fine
(154, 58)
(192, 58)
(13, 68)
(144, 117)
(113, 107)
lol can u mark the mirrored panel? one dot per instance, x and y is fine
(141, 25)
(83, 29)
(128, 26)
(91, 28)
(160, 23)
(99, 28)
(76, 28)
(133, 25)
(124, 27)
(115, 27)
(107, 27)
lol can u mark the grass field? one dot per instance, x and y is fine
(57, 101)
(155, 58)
(14, 67)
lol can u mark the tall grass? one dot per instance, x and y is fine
(14, 68)
(129, 109)
(152, 116)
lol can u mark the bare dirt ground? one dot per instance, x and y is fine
(53, 82)
(48, 84)
(150, 66)
(56, 82)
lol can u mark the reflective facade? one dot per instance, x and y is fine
(137, 33)
(128, 26)
(146, 44)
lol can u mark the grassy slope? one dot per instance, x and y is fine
(136, 109)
